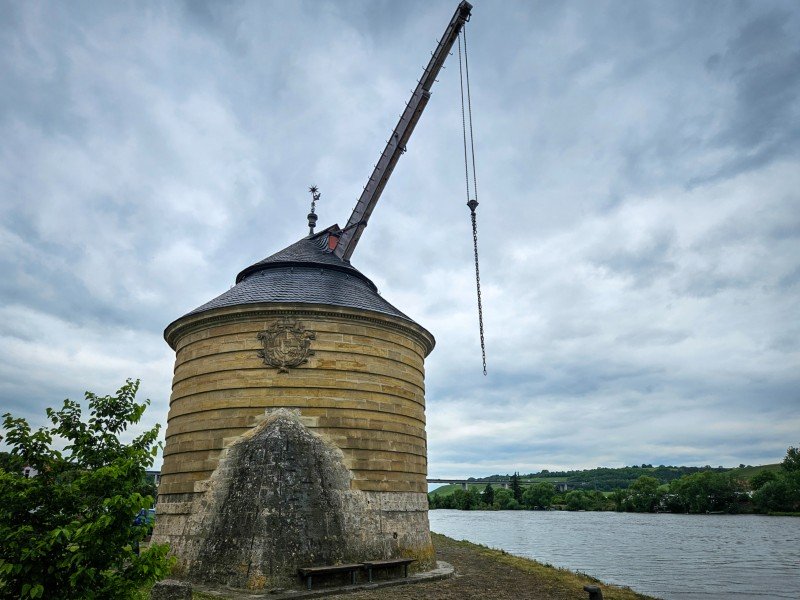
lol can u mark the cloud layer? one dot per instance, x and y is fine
(639, 225)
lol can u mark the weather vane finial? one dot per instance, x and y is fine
(312, 216)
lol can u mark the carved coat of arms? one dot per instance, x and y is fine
(285, 343)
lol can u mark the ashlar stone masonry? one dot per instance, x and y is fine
(312, 461)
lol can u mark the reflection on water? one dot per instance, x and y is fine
(676, 557)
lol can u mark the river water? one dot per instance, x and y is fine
(675, 557)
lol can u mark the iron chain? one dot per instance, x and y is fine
(478, 283)
(472, 203)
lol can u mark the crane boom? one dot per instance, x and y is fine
(402, 132)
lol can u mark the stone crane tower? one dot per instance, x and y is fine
(296, 428)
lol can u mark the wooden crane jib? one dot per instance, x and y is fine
(349, 236)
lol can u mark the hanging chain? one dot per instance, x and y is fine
(478, 283)
(472, 203)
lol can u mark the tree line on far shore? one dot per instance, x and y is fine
(696, 493)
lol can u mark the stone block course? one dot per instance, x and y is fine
(285, 529)
(362, 393)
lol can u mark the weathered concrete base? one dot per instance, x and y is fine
(280, 499)
(442, 570)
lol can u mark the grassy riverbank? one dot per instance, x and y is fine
(480, 569)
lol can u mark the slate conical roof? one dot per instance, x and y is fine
(306, 272)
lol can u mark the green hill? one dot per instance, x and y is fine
(447, 490)
(749, 472)
(607, 479)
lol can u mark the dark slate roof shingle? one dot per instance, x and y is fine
(309, 250)
(305, 273)
(306, 285)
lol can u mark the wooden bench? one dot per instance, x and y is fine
(309, 572)
(388, 564)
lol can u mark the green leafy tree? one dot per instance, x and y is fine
(468, 499)
(578, 500)
(539, 495)
(758, 480)
(433, 501)
(600, 501)
(516, 488)
(620, 499)
(780, 495)
(440, 501)
(148, 487)
(783, 493)
(707, 491)
(475, 493)
(504, 500)
(11, 463)
(643, 495)
(791, 462)
(488, 495)
(68, 532)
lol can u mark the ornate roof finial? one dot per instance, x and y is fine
(312, 216)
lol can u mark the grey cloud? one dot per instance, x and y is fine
(645, 263)
(637, 227)
(762, 61)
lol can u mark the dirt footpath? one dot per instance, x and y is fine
(484, 573)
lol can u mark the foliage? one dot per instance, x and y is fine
(644, 489)
(439, 501)
(586, 500)
(69, 532)
(11, 463)
(577, 500)
(705, 492)
(488, 495)
(468, 499)
(619, 497)
(539, 495)
(461, 499)
(782, 493)
(791, 463)
(516, 488)
(504, 500)
(758, 480)
(148, 487)
(607, 479)
(643, 495)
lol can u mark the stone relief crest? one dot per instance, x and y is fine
(285, 343)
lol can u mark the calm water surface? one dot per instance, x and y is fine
(676, 557)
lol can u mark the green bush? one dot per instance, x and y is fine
(539, 495)
(758, 480)
(504, 500)
(68, 532)
(705, 492)
(782, 492)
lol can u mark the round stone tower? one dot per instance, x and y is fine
(296, 429)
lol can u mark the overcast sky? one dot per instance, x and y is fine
(639, 219)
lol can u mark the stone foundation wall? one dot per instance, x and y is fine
(281, 498)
